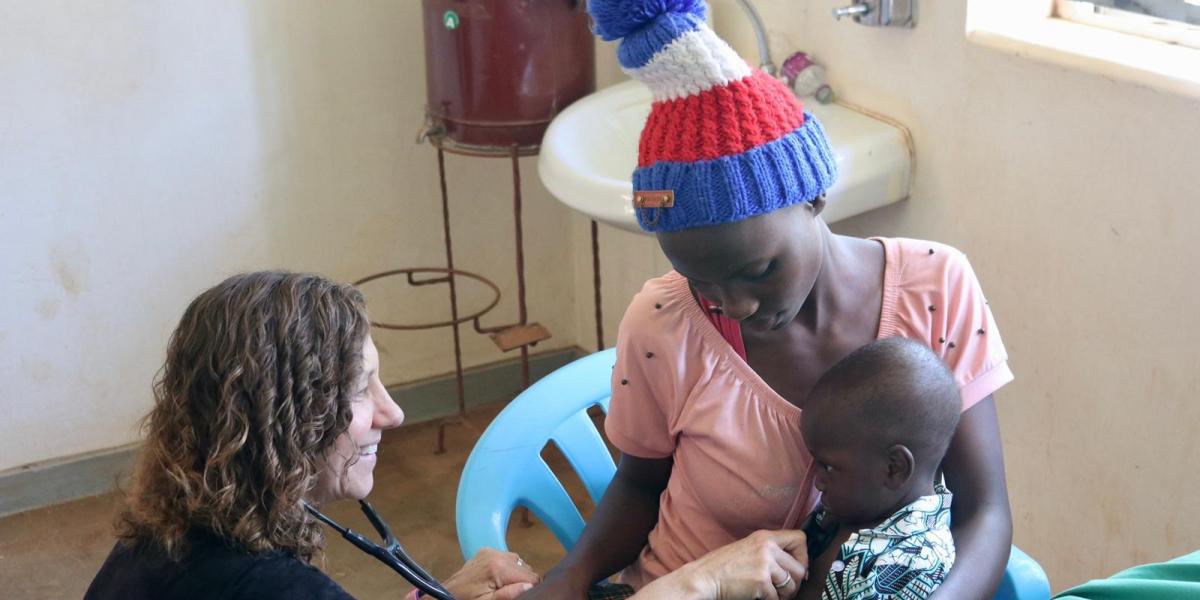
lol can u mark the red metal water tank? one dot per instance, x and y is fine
(497, 71)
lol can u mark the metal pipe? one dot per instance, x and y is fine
(458, 366)
(764, 49)
(522, 311)
(596, 286)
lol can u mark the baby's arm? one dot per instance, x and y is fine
(818, 568)
(813, 586)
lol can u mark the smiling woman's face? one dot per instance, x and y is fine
(349, 465)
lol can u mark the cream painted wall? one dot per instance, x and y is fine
(147, 151)
(1076, 198)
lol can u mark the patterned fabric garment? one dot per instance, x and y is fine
(905, 557)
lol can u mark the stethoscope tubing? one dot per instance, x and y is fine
(393, 555)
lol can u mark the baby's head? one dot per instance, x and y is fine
(878, 424)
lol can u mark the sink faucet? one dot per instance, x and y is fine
(880, 13)
(853, 10)
(764, 49)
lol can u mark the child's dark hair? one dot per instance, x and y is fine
(895, 391)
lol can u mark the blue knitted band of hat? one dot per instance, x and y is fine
(795, 168)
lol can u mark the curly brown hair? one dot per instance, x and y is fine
(256, 387)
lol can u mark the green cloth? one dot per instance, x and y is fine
(1176, 579)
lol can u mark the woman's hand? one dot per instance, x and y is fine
(491, 575)
(769, 565)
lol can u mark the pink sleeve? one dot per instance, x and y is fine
(972, 347)
(642, 411)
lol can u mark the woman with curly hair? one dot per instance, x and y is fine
(270, 397)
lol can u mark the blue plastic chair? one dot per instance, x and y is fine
(1024, 579)
(506, 469)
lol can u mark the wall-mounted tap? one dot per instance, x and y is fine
(853, 10)
(880, 13)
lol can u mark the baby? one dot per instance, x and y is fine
(877, 425)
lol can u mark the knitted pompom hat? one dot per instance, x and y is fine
(724, 141)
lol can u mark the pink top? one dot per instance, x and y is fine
(680, 390)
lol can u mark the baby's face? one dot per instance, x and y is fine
(850, 474)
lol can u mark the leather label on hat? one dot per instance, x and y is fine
(654, 199)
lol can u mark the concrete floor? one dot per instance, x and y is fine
(54, 552)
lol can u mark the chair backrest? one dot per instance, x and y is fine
(506, 469)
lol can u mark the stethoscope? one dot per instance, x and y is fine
(391, 554)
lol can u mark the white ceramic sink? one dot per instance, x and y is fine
(590, 150)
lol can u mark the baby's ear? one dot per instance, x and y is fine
(900, 467)
(817, 204)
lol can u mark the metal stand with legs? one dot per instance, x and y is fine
(519, 335)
